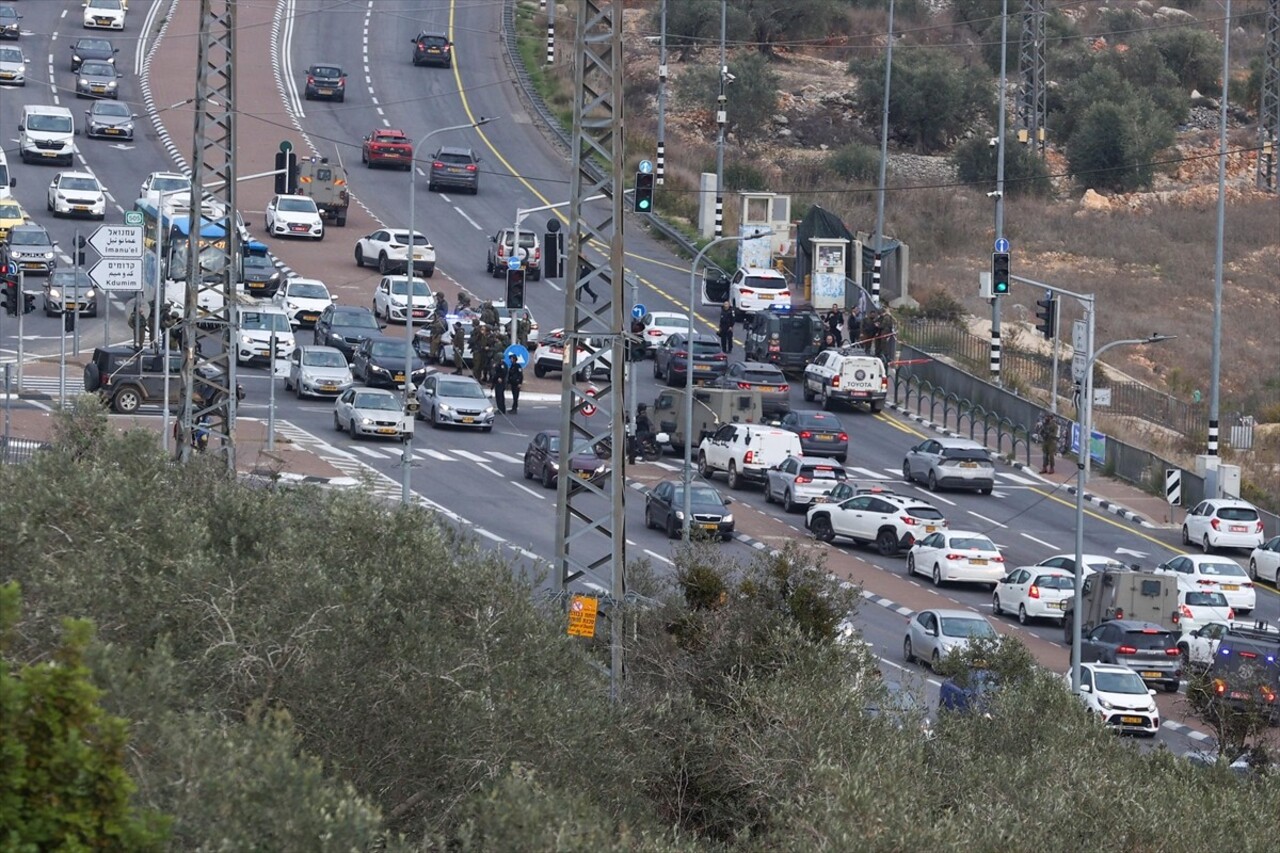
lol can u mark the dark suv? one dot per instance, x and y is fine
(454, 167)
(125, 378)
(344, 327)
(1146, 648)
(433, 49)
(326, 81)
(1244, 673)
(789, 340)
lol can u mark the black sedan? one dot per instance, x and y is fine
(380, 361)
(343, 327)
(671, 359)
(259, 275)
(821, 433)
(664, 509)
(542, 460)
(92, 48)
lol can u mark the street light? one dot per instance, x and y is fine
(688, 374)
(406, 456)
(1086, 436)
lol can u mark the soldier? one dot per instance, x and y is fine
(523, 329)
(886, 343)
(138, 314)
(726, 328)
(871, 332)
(1047, 432)
(464, 301)
(480, 351)
(493, 353)
(489, 314)
(459, 343)
(438, 330)
(442, 304)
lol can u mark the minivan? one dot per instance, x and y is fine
(46, 135)
(7, 182)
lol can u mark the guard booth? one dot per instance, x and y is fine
(765, 211)
(825, 285)
(821, 229)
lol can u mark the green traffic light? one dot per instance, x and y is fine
(643, 204)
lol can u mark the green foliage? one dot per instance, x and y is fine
(771, 22)
(1025, 174)
(933, 98)
(1193, 55)
(753, 95)
(742, 176)
(1113, 147)
(940, 305)
(63, 783)
(855, 162)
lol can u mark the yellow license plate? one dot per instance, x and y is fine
(825, 437)
(256, 285)
(584, 475)
(1132, 721)
(399, 377)
(1057, 605)
(968, 464)
(929, 528)
(1230, 587)
(468, 420)
(328, 387)
(710, 526)
(765, 388)
(977, 562)
(387, 430)
(768, 296)
(1150, 674)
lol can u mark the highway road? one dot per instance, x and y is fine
(476, 477)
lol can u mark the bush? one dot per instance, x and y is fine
(1113, 146)
(855, 162)
(1194, 56)
(941, 305)
(752, 98)
(1025, 173)
(933, 97)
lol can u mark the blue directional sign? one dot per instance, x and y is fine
(1002, 245)
(645, 167)
(638, 311)
(521, 354)
(514, 263)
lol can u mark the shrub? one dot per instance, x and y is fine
(1025, 173)
(1113, 146)
(754, 92)
(1194, 56)
(933, 97)
(855, 162)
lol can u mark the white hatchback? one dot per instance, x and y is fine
(1213, 574)
(104, 14)
(1198, 607)
(1264, 562)
(1118, 697)
(759, 289)
(958, 556)
(77, 194)
(660, 325)
(294, 216)
(1034, 593)
(1223, 524)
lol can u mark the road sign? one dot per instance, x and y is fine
(521, 354)
(514, 263)
(132, 217)
(1173, 486)
(638, 311)
(645, 167)
(1002, 245)
(117, 274)
(582, 615)
(117, 241)
(589, 409)
(286, 146)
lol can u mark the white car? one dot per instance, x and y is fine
(959, 556)
(13, 66)
(1264, 562)
(1118, 697)
(934, 634)
(388, 250)
(1199, 607)
(294, 216)
(660, 325)
(160, 186)
(1219, 574)
(1034, 593)
(392, 296)
(303, 299)
(318, 372)
(104, 14)
(372, 412)
(257, 325)
(892, 523)
(77, 193)
(1092, 563)
(759, 289)
(1223, 524)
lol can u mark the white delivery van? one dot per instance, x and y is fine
(47, 135)
(745, 452)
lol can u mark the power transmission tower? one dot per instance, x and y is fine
(1031, 76)
(590, 535)
(1269, 101)
(207, 331)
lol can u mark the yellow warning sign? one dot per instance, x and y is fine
(582, 616)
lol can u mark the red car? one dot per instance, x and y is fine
(387, 147)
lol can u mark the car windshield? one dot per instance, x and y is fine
(963, 626)
(93, 44)
(1148, 639)
(671, 322)
(402, 238)
(697, 495)
(926, 512)
(1222, 569)
(49, 123)
(97, 69)
(753, 282)
(297, 205)
(1119, 682)
(1238, 513)
(308, 291)
(28, 238)
(10, 54)
(1205, 599)
(972, 543)
(10, 210)
(323, 358)
(400, 285)
(388, 349)
(70, 278)
(110, 108)
(470, 390)
(1055, 582)
(433, 41)
(381, 402)
(701, 347)
(258, 262)
(818, 420)
(822, 472)
(355, 320)
(526, 239)
(164, 185)
(105, 4)
(264, 321)
(87, 184)
(388, 137)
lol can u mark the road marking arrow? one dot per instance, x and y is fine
(120, 146)
(1141, 555)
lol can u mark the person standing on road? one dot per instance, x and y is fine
(442, 304)
(523, 328)
(500, 387)
(438, 329)
(479, 352)
(515, 378)
(835, 326)
(459, 343)
(726, 328)
(1047, 432)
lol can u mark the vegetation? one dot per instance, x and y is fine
(754, 90)
(1025, 173)
(306, 670)
(934, 96)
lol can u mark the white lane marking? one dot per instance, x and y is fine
(474, 457)
(367, 452)
(934, 496)
(490, 470)
(990, 521)
(436, 454)
(658, 556)
(1038, 541)
(286, 60)
(1022, 481)
(147, 28)
(869, 473)
(492, 537)
(522, 487)
(504, 457)
(463, 214)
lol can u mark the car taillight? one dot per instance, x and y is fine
(471, 167)
(1119, 613)
(744, 386)
(1126, 650)
(909, 521)
(537, 254)
(436, 164)
(1219, 686)
(311, 81)
(1033, 592)
(1206, 582)
(784, 388)
(1247, 584)
(884, 383)
(1268, 693)
(1214, 523)
(844, 436)
(1260, 528)
(806, 434)
(747, 292)
(803, 479)
(748, 457)
(1173, 652)
(786, 293)
(835, 381)
(1185, 611)
(1231, 613)
(654, 333)
(721, 357)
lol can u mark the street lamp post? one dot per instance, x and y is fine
(688, 374)
(1086, 435)
(406, 456)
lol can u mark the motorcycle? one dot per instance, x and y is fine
(649, 447)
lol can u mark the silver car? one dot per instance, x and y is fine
(934, 634)
(950, 463)
(448, 400)
(372, 412)
(97, 79)
(318, 372)
(109, 120)
(801, 481)
(13, 66)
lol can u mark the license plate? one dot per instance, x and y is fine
(48, 154)
(768, 297)
(702, 367)
(977, 562)
(387, 430)
(1132, 721)
(1230, 587)
(1239, 528)
(709, 526)
(399, 377)
(113, 130)
(298, 228)
(825, 437)
(1149, 674)
(968, 464)
(311, 318)
(468, 420)
(584, 475)
(929, 528)
(328, 387)
(1057, 605)
(765, 388)
(264, 352)
(257, 285)
(80, 207)
(326, 91)
(419, 312)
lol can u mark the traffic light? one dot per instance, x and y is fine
(10, 297)
(80, 243)
(1000, 273)
(515, 288)
(69, 319)
(286, 172)
(644, 192)
(1047, 314)
(28, 302)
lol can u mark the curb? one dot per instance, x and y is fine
(1100, 502)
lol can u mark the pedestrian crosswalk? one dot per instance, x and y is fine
(395, 452)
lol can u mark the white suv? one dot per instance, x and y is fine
(745, 452)
(759, 289)
(1223, 523)
(892, 523)
(257, 324)
(854, 379)
(77, 194)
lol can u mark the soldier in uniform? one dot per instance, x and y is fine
(138, 314)
(489, 314)
(523, 329)
(1047, 432)
(885, 342)
(459, 343)
(442, 304)
(480, 351)
(438, 330)
(493, 354)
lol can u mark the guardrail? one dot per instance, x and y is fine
(957, 413)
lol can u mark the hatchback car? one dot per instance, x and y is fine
(391, 299)
(327, 82)
(372, 412)
(1034, 593)
(433, 48)
(664, 510)
(892, 523)
(67, 290)
(958, 556)
(31, 249)
(447, 400)
(77, 194)
(454, 167)
(343, 327)
(303, 300)
(259, 276)
(109, 120)
(1264, 562)
(1197, 608)
(1144, 647)
(799, 481)
(766, 380)
(380, 361)
(318, 372)
(821, 433)
(542, 460)
(671, 360)
(13, 66)
(1223, 523)
(104, 14)
(10, 23)
(758, 289)
(388, 249)
(953, 463)
(934, 634)
(11, 215)
(1213, 574)
(294, 216)
(87, 48)
(660, 325)
(97, 78)
(1119, 698)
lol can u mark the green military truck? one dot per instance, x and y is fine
(326, 184)
(1124, 594)
(712, 407)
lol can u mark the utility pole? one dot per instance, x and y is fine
(660, 168)
(1269, 101)
(1213, 486)
(995, 299)
(1031, 76)
(722, 118)
(551, 32)
(878, 261)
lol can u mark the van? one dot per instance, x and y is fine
(7, 182)
(47, 135)
(712, 407)
(745, 452)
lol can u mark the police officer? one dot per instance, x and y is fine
(500, 386)
(726, 328)
(835, 325)
(459, 343)
(515, 378)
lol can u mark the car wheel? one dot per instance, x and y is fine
(933, 482)
(359, 256)
(1184, 653)
(1022, 614)
(907, 654)
(995, 605)
(524, 469)
(435, 420)
(1186, 535)
(429, 272)
(673, 532)
(488, 265)
(826, 400)
(539, 371)
(937, 575)
(768, 492)
(704, 470)
(1171, 688)
(657, 374)
(805, 390)
(351, 428)
(788, 505)
(886, 543)
(732, 477)
(911, 564)
(548, 481)
(906, 472)
(1253, 570)
(934, 660)
(337, 424)
(127, 400)
(1204, 543)
(383, 266)
(842, 458)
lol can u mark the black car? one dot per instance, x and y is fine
(343, 327)
(259, 275)
(433, 49)
(10, 26)
(1146, 648)
(92, 48)
(328, 82)
(821, 433)
(664, 509)
(671, 359)
(125, 378)
(379, 361)
(454, 167)
(785, 338)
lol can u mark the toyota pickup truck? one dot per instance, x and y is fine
(387, 147)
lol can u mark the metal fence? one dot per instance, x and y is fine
(1130, 399)
(17, 450)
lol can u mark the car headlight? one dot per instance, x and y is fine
(75, 58)
(246, 341)
(111, 84)
(127, 126)
(334, 336)
(1105, 704)
(292, 306)
(366, 421)
(48, 256)
(84, 81)
(91, 295)
(728, 519)
(54, 293)
(307, 378)
(679, 515)
(488, 410)
(376, 369)
(445, 407)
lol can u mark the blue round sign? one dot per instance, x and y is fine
(1002, 245)
(514, 263)
(521, 354)
(645, 167)
(638, 311)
